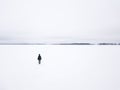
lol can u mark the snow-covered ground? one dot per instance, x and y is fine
(63, 67)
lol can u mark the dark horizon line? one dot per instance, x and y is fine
(60, 43)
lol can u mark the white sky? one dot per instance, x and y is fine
(43, 19)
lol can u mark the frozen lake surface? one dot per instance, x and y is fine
(63, 67)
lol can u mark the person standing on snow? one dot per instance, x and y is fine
(39, 59)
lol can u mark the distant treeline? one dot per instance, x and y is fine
(60, 43)
(108, 43)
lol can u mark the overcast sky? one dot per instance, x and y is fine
(45, 19)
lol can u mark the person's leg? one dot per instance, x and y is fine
(39, 61)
